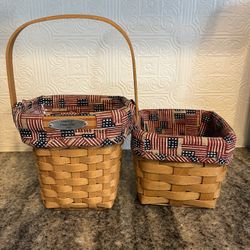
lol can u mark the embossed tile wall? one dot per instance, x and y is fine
(190, 54)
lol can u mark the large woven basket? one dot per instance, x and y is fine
(181, 156)
(77, 139)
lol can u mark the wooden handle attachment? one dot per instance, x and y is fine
(10, 45)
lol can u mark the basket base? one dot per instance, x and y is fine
(178, 184)
(79, 178)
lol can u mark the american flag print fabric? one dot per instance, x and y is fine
(182, 135)
(113, 116)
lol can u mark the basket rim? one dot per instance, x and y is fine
(197, 148)
(145, 133)
(24, 104)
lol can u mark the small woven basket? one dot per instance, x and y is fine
(77, 139)
(181, 156)
(178, 184)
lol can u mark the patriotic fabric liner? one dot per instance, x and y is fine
(112, 115)
(179, 135)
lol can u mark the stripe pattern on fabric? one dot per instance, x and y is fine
(180, 135)
(113, 116)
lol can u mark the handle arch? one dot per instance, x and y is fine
(12, 39)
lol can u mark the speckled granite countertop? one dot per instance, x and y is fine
(26, 224)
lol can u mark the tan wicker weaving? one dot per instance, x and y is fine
(79, 178)
(177, 184)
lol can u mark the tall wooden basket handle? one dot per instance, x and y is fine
(10, 45)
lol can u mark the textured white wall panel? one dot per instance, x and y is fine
(190, 54)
